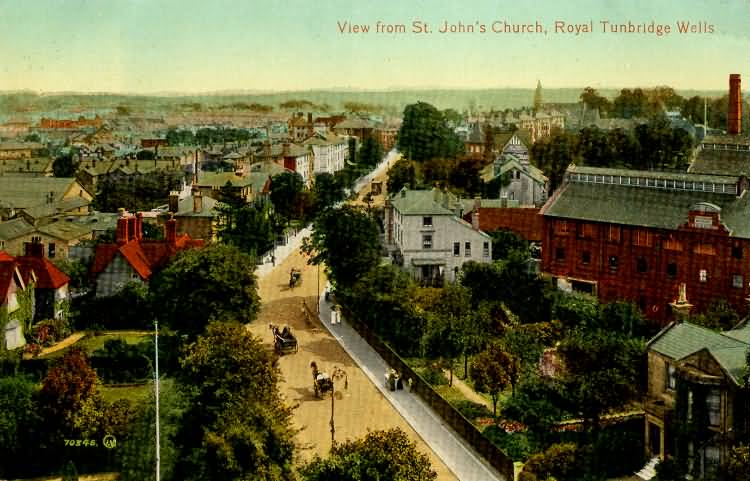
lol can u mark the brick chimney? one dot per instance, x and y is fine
(138, 226)
(174, 201)
(197, 201)
(734, 117)
(121, 234)
(131, 227)
(34, 248)
(475, 213)
(170, 230)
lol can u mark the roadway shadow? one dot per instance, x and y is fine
(328, 353)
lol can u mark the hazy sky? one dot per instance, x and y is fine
(206, 45)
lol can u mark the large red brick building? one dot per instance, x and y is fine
(637, 235)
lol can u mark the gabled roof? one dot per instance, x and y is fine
(512, 163)
(66, 231)
(677, 341)
(144, 256)
(48, 276)
(28, 191)
(8, 274)
(185, 207)
(721, 162)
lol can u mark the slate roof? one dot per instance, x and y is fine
(329, 139)
(34, 165)
(220, 179)
(729, 348)
(721, 162)
(28, 191)
(422, 202)
(65, 230)
(65, 205)
(185, 207)
(528, 169)
(13, 229)
(646, 206)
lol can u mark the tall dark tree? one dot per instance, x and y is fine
(553, 155)
(64, 166)
(249, 227)
(19, 423)
(326, 191)
(346, 240)
(425, 134)
(370, 152)
(401, 174)
(594, 100)
(285, 190)
(215, 283)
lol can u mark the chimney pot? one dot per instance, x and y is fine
(174, 200)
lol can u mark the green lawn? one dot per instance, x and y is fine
(135, 394)
(91, 343)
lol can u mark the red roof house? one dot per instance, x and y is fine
(132, 258)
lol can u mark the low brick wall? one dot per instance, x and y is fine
(494, 456)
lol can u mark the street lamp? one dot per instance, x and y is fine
(337, 373)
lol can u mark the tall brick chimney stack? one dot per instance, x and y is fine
(170, 230)
(121, 235)
(138, 226)
(734, 119)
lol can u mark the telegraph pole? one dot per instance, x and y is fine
(156, 390)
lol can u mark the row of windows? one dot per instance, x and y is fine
(427, 244)
(641, 266)
(640, 238)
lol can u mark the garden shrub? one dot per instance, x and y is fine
(434, 376)
(471, 410)
(561, 461)
(120, 362)
(518, 446)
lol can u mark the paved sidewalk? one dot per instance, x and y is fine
(282, 252)
(460, 458)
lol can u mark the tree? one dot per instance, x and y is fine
(215, 283)
(738, 465)
(718, 316)
(553, 155)
(425, 134)
(65, 389)
(19, 421)
(248, 227)
(327, 191)
(538, 96)
(236, 426)
(285, 190)
(69, 472)
(561, 462)
(348, 256)
(594, 101)
(492, 371)
(506, 241)
(370, 152)
(63, 166)
(602, 371)
(401, 174)
(379, 456)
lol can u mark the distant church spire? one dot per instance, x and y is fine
(538, 96)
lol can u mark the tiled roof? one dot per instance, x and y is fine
(7, 271)
(38, 165)
(144, 256)
(526, 222)
(185, 207)
(220, 179)
(20, 146)
(48, 276)
(721, 162)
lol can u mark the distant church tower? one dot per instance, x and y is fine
(538, 97)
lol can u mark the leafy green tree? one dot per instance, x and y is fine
(492, 371)
(505, 241)
(69, 472)
(401, 174)
(215, 283)
(719, 316)
(236, 425)
(145, 155)
(553, 155)
(594, 148)
(370, 152)
(64, 166)
(285, 190)
(249, 227)
(326, 191)
(379, 456)
(19, 422)
(349, 256)
(631, 103)
(425, 134)
(738, 465)
(602, 372)
(143, 193)
(537, 404)
(138, 456)
(561, 462)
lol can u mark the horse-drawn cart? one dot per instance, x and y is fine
(295, 277)
(284, 341)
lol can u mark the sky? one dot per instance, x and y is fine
(193, 46)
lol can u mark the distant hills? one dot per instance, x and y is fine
(25, 103)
